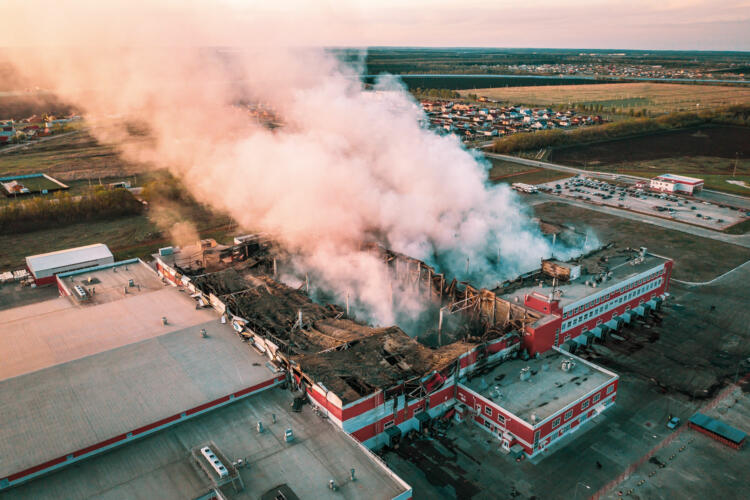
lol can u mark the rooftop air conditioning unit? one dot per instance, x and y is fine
(567, 364)
(80, 292)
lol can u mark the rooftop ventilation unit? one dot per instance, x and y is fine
(214, 461)
(80, 292)
(567, 364)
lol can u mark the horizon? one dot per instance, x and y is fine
(682, 25)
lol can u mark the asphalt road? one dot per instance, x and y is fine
(26, 145)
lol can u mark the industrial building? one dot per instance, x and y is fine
(120, 356)
(213, 326)
(590, 297)
(44, 267)
(673, 183)
(377, 384)
(530, 404)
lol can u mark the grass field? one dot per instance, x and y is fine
(35, 185)
(508, 172)
(709, 153)
(127, 237)
(131, 236)
(696, 259)
(657, 98)
(75, 156)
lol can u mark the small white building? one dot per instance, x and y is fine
(44, 267)
(672, 183)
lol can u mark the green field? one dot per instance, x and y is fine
(135, 236)
(35, 185)
(713, 170)
(74, 156)
(506, 172)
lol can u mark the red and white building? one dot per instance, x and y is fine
(44, 267)
(380, 418)
(593, 303)
(672, 183)
(526, 402)
(527, 405)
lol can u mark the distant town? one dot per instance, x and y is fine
(472, 122)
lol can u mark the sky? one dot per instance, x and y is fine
(623, 24)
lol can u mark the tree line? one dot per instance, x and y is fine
(420, 93)
(735, 115)
(42, 213)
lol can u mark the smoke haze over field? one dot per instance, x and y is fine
(348, 165)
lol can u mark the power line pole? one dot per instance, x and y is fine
(736, 160)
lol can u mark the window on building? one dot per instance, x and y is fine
(556, 422)
(610, 389)
(488, 411)
(596, 397)
(500, 418)
(489, 425)
(568, 414)
(418, 410)
(388, 424)
(585, 405)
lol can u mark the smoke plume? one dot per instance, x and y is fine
(348, 165)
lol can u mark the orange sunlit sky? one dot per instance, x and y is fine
(626, 24)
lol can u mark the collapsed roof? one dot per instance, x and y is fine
(382, 360)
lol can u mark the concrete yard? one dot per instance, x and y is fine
(468, 459)
(694, 465)
(160, 467)
(685, 209)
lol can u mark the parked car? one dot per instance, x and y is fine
(673, 423)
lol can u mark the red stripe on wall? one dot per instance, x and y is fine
(96, 446)
(36, 468)
(161, 422)
(205, 406)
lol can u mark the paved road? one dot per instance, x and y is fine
(706, 194)
(8, 149)
(741, 240)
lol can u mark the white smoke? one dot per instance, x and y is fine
(349, 165)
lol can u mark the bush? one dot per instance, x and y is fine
(41, 213)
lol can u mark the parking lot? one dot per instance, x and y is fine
(668, 206)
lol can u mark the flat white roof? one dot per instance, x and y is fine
(678, 178)
(78, 374)
(68, 257)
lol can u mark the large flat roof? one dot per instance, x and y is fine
(158, 466)
(68, 257)
(622, 265)
(104, 370)
(44, 334)
(111, 282)
(546, 392)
